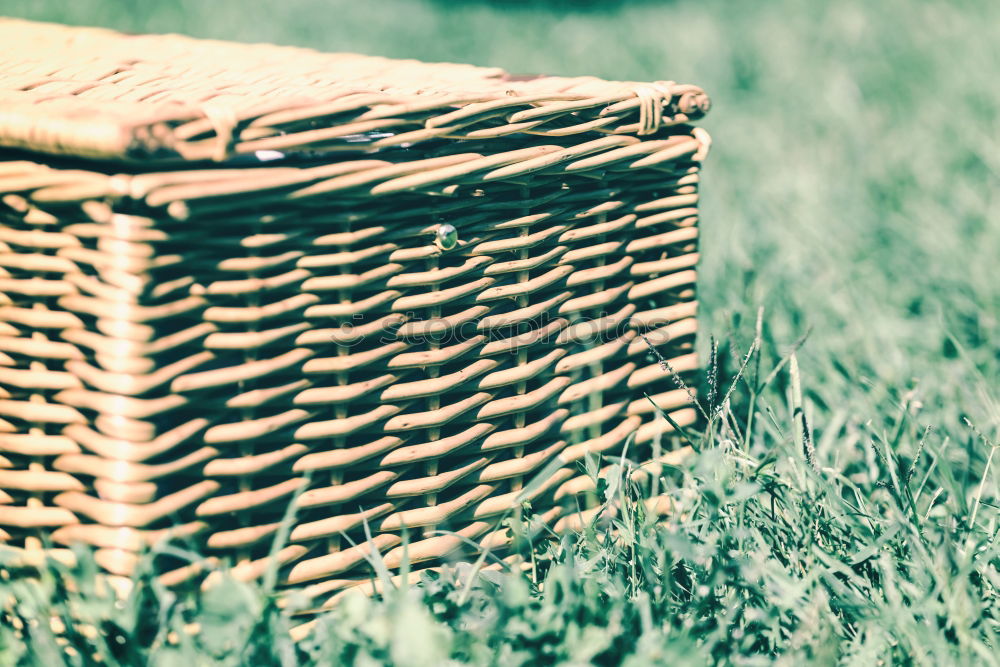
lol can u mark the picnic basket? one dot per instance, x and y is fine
(238, 279)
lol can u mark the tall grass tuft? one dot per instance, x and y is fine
(790, 540)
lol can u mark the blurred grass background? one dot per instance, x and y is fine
(852, 192)
(853, 176)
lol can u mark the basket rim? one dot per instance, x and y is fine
(101, 94)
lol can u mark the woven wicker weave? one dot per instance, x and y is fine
(228, 279)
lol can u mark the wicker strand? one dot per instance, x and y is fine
(223, 120)
(652, 99)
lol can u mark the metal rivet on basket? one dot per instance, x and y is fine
(447, 237)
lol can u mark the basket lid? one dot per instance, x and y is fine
(97, 93)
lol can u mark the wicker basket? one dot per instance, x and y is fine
(232, 276)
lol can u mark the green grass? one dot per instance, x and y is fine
(846, 512)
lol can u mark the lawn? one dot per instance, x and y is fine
(842, 505)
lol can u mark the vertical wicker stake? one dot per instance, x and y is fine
(247, 447)
(523, 328)
(594, 399)
(32, 542)
(434, 400)
(340, 409)
(167, 361)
